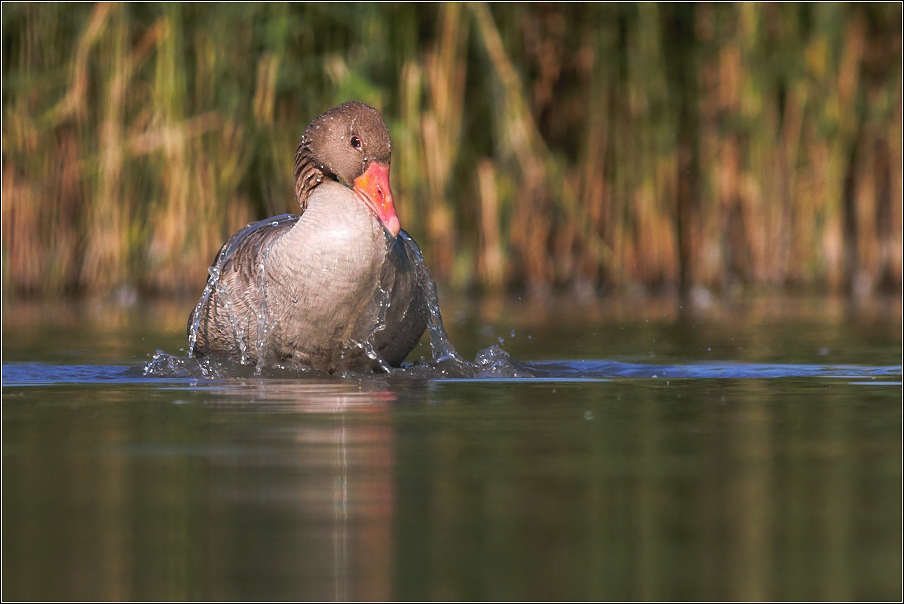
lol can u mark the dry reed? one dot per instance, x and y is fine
(536, 146)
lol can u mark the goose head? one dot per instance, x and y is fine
(349, 144)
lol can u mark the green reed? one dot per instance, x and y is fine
(589, 147)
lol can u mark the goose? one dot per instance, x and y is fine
(339, 286)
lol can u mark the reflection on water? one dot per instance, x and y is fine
(365, 490)
(343, 482)
(731, 484)
(199, 494)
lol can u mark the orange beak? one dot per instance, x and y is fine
(373, 188)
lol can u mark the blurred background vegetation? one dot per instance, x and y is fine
(589, 147)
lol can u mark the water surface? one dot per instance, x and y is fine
(750, 450)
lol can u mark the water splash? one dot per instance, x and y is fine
(382, 304)
(223, 305)
(265, 323)
(446, 360)
(442, 349)
(213, 280)
(496, 362)
(238, 330)
(373, 355)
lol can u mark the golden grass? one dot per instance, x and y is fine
(535, 146)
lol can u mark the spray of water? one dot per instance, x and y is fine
(446, 361)
(440, 346)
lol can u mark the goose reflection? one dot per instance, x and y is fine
(314, 461)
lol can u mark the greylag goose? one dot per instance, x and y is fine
(339, 286)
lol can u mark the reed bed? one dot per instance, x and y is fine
(594, 148)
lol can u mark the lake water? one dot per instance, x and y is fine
(748, 450)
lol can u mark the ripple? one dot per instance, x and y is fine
(41, 374)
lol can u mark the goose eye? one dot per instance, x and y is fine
(356, 142)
